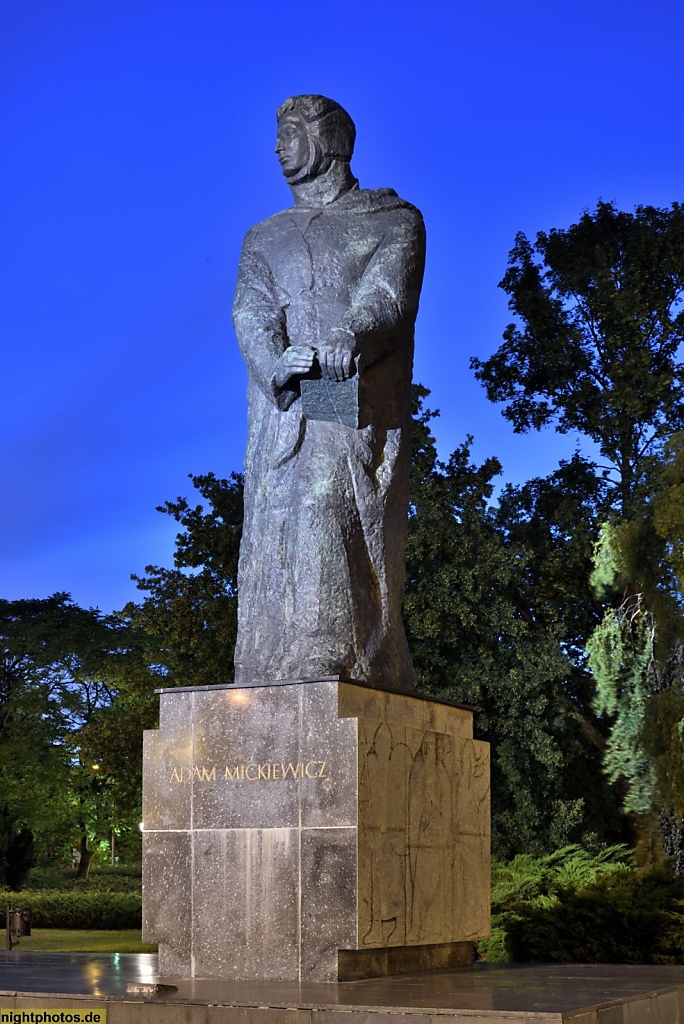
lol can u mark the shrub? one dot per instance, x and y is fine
(96, 882)
(627, 917)
(48, 878)
(118, 871)
(99, 880)
(537, 880)
(79, 909)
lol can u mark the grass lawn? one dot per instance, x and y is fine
(72, 940)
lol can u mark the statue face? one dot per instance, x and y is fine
(292, 146)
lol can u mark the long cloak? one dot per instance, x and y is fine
(321, 573)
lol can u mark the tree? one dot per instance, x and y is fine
(110, 746)
(476, 639)
(554, 522)
(33, 758)
(668, 502)
(597, 345)
(597, 349)
(16, 850)
(637, 651)
(190, 615)
(61, 667)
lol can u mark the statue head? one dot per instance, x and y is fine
(313, 132)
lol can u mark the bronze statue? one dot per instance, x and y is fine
(325, 306)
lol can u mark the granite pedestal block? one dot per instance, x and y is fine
(314, 831)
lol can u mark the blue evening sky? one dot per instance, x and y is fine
(138, 148)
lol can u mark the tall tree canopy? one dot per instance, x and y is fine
(597, 349)
(597, 344)
(484, 614)
(62, 668)
(190, 612)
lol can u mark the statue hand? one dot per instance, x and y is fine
(337, 356)
(295, 360)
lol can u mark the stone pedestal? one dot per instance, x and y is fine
(315, 830)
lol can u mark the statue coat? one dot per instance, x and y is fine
(321, 573)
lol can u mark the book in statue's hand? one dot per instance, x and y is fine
(335, 401)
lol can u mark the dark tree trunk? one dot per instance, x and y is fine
(86, 857)
(672, 834)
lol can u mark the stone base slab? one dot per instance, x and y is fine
(484, 994)
(356, 964)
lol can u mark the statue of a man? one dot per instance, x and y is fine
(326, 299)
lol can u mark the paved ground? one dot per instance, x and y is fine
(486, 989)
(74, 973)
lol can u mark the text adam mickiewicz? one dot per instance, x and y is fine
(271, 771)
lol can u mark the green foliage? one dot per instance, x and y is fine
(661, 739)
(635, 654)
(536, 882)
(190, 613)
(555, 521)
(597, 349)
(631, 561)
(112, 739)
(472, 643)
(33, 718)
(631, 917)
(42, 877)
(608, 571)
(16, 850)
(620, 652)
(79, 909)
(668, 504)
(107, 873)
(600, 324)
(98, 880)
(73, 686)
(550, 525)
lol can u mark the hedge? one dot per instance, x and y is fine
(97, 881)
(71, 909)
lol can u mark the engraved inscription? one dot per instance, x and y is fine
(202, 774)
(269, 771)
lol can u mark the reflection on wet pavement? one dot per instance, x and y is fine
(502, 987)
